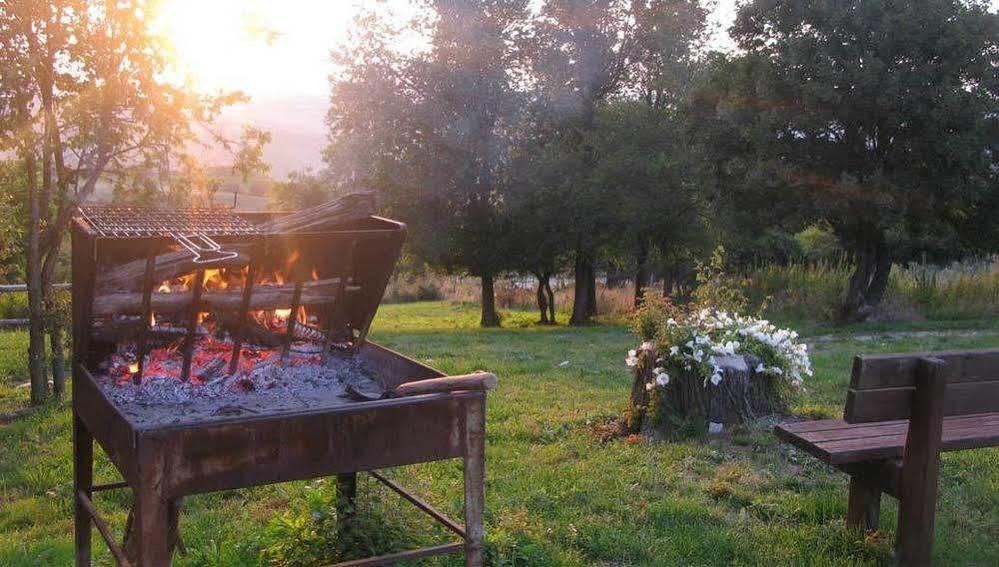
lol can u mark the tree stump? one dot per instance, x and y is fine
(742, 395)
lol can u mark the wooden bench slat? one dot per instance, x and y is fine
(836, 444)
(872, 372)
(830, 425)
(889, 404)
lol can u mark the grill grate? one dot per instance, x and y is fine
(138, 222)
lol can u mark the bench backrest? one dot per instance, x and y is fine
(882, 385)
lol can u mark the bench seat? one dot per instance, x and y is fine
(837, 442)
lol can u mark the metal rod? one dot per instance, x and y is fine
(109, 486)
(147, 312)
(192, 324)
(337, 308)
(402, 556)
(103, 529)
(296, 299)
(244, 314)
(416, 501)
(13, 288)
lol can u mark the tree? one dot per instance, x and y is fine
(81, 98)
(430, 132)
(659, 206)
(302, 189)
(877, 117)
(579, 54)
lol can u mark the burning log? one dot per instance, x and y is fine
(265, 297)
(259, 335)
(168, 265)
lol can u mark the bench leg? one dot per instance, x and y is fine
(917, 498)
(864, 507)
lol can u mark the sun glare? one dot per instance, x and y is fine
(262, 47)
(257, 46)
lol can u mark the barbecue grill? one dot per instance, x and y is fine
(392, 411)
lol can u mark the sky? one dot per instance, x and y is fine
(273, 49)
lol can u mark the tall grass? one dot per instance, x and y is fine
(797, 292)
(961, 290)
(513, 293)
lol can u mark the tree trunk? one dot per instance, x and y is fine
(551, 300)
(581, 299)
(741, 396)
(668, 280)
(489, 316)
(641, 272)
(36, 306)
(54, 319)
(591, 290)
(869, 280)
(542, 299)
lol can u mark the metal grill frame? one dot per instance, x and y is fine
(114, 221)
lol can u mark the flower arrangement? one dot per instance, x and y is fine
(695, 342)
(708, 363)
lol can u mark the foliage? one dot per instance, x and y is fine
(302, 189)
(880, 118)
(717, 288)
(11, 227)
(819, 243)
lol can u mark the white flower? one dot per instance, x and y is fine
(760, 368)
(674, 350)
(631, 359)
(649, 386)
(662, 379)
(649, 346)
(698, 355)
(716, 378)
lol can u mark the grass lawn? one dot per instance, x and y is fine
(558, 492)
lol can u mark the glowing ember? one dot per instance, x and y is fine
(133, 368)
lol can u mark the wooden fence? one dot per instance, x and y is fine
(14, 288)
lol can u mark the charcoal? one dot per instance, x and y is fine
(301, 381)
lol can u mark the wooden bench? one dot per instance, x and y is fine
(901, 411)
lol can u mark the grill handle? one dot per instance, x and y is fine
(208, 252)
(479, 381)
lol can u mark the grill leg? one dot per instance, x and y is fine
(83, 480)
(346, 501)
(151, 526)
(475, 464)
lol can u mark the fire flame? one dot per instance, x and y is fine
(133, 367)
(221, 278)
